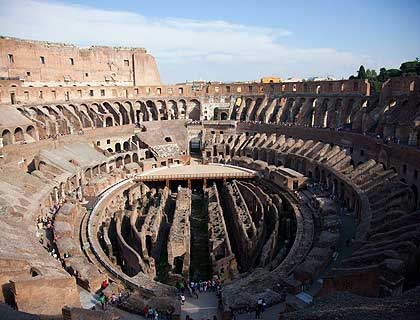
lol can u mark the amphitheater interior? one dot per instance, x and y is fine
(305, 194)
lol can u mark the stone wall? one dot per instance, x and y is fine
(222, 257)
(41, 63)
(180, 235)
(45, 296)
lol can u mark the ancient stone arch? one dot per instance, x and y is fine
(7, 136)
(19, 134)
(194, 111)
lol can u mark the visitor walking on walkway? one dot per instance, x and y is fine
(102, 300)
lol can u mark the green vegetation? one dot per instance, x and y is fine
(409, 68)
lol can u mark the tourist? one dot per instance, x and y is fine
(113, 298)
(260, 303)
(146, 310)
(258, 312)
(182, 287)
(104, 284)
(182, 299)
(150, 313)
(102, 300)
(194, 292)
(264, 304)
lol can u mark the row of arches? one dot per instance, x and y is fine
(51, 120)
(322, 112)
(18, 135)
(75, 183)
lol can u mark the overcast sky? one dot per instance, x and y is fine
(231, 40)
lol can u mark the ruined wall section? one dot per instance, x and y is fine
(222, 257)
(151, 230)
(242, 227)
(180, 235)
(41, 63)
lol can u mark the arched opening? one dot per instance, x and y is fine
(7, 137)
(109, 122)
(135, 157)
(127, 159)
(103, 167)
(35, 272)
(19, 134)
(95, 170)
(161, 106)
(322, 117)
(182, 109)
(346, 117)
(195, 112)
(151, 107)
(112, 111)
(124, 114)
(30, 130)
(119, 162)
(117, 147)
(172, 110)
(255, 107)
(223, 116)
(247, 106)
(126, 146)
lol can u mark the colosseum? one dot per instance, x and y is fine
(119, 194)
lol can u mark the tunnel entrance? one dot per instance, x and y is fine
(200, 266)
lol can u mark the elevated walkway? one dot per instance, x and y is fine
(197, 172)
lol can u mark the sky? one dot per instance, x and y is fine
(231, 40)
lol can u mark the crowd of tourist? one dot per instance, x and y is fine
(46, 223)
(199, 286)
(156, 313)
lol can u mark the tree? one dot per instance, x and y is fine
(382, 75)
(371, 74)
(361, 74)
(409, 67)
(390, 73)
